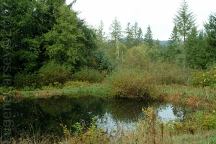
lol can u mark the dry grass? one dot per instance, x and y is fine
(195, 97)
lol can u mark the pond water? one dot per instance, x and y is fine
(46, 116)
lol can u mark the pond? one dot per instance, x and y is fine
(46, 116)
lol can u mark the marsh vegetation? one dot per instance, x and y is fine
(69, 83)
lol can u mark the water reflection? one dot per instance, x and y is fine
(45, 116)
(170, 113)
(112, 125)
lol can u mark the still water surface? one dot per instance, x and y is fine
(46, 116)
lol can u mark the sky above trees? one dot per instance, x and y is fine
(158, 14)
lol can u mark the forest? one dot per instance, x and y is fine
(60, 77)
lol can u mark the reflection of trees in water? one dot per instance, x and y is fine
(44, 116)
(187, 113)
(126, 109)
(183, 112)
(179, 112)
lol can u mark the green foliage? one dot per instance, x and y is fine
(76, 84)
(175, 53)
(22, 25)
(4, 90)
(88, 74)
(148, 38)
(102, 61)
(117, 46)
(132, 84)
(39, 31)
(116, 30)
(184, 21)
(175, 36)
(24, 79)
(134, 35)
(137, 57)
(70, 41)
(207, 121)
(205, 78)
(210, 28)
(165, 73)
(196, 52)
(201, 120)
(162, 73)
(77, 128)
(53, 72)
(91, 136)
(100, 32)
(129, 35)
(184, 30)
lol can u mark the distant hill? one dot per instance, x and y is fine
(164, 43)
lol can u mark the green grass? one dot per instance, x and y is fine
(73, 89)
(202, 97)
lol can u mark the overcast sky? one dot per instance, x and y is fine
(158, 14)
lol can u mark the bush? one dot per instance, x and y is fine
(202, 120)
(204, 78)
(90, 75)
(26, 80)
(161, 73)
(132, 84)
(52, 73)
(137, 57)
(102, 61)
(165, 73)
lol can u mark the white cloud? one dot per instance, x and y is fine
(156, 13)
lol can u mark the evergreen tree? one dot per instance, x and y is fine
(148, 39)
(100, 31)
(210, 28)
(116, 34)
(43, 30)
(133, 35)
(129, 35)
(135, 30)
(116, 30)
(24, 22)
(174, 46)
(175, 38)
(184, 21)
(137, 34)
(70, 41)
(140, 36)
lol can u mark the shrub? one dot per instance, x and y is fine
(162, 73)
(102, 61)
(26, 80)
(204, 78)
(88, 74)
(92, 135)
(165, 73)
(137, 57)
(51, 73)
(76, 84)
(132, 84)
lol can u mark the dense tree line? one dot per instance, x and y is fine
(188, 45)
(47, 36)
(40, 32)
